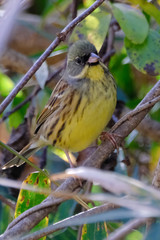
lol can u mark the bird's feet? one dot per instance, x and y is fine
(111, 137)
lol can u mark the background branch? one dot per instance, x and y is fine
(74, 8)
(8, 202)
(15, 61)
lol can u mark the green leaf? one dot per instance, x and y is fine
(17, 117)
(121, 71)
(145, 56)
(57, 6)
(6, 85)
(93, 28)
(148, 7)
(5, 217)
(94, 231)
(66, 209)
(132, 22)
(134, 235)
(28, 199)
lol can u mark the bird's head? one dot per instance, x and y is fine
(81, 54)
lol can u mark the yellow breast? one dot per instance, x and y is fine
(83, 130)
(96, 73)
(94, 112)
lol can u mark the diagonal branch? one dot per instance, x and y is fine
(60, 37)
(70, 221)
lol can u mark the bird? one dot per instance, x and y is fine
(79, 108)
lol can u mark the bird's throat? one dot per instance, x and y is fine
(95, 73)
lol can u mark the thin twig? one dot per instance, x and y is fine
(108, 55)
(60, 37)
(138, 109)
(74, 8)
(71, 221)
(110, 48)
(7, 202)
(21, 157)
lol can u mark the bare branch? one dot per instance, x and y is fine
(138, 109)
(71, 221)
(60, 37)
(7, 202)
(74, 8)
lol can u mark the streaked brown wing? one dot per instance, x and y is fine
(53, 103)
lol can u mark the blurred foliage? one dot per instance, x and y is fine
(128, 18)
(134, 235)
(145, 57)
(93, 28)
(135, 65)
(94, 231)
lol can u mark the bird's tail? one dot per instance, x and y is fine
(26, 152)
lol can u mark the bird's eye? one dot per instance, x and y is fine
(78, 60)
(82, 60)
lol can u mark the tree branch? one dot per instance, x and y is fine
(60, 37)
(8, 202)
(138, 109)
(74, 8)
(70, 221)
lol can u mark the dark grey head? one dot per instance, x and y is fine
(80, 54)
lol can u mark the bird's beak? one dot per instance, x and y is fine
(93, 58)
